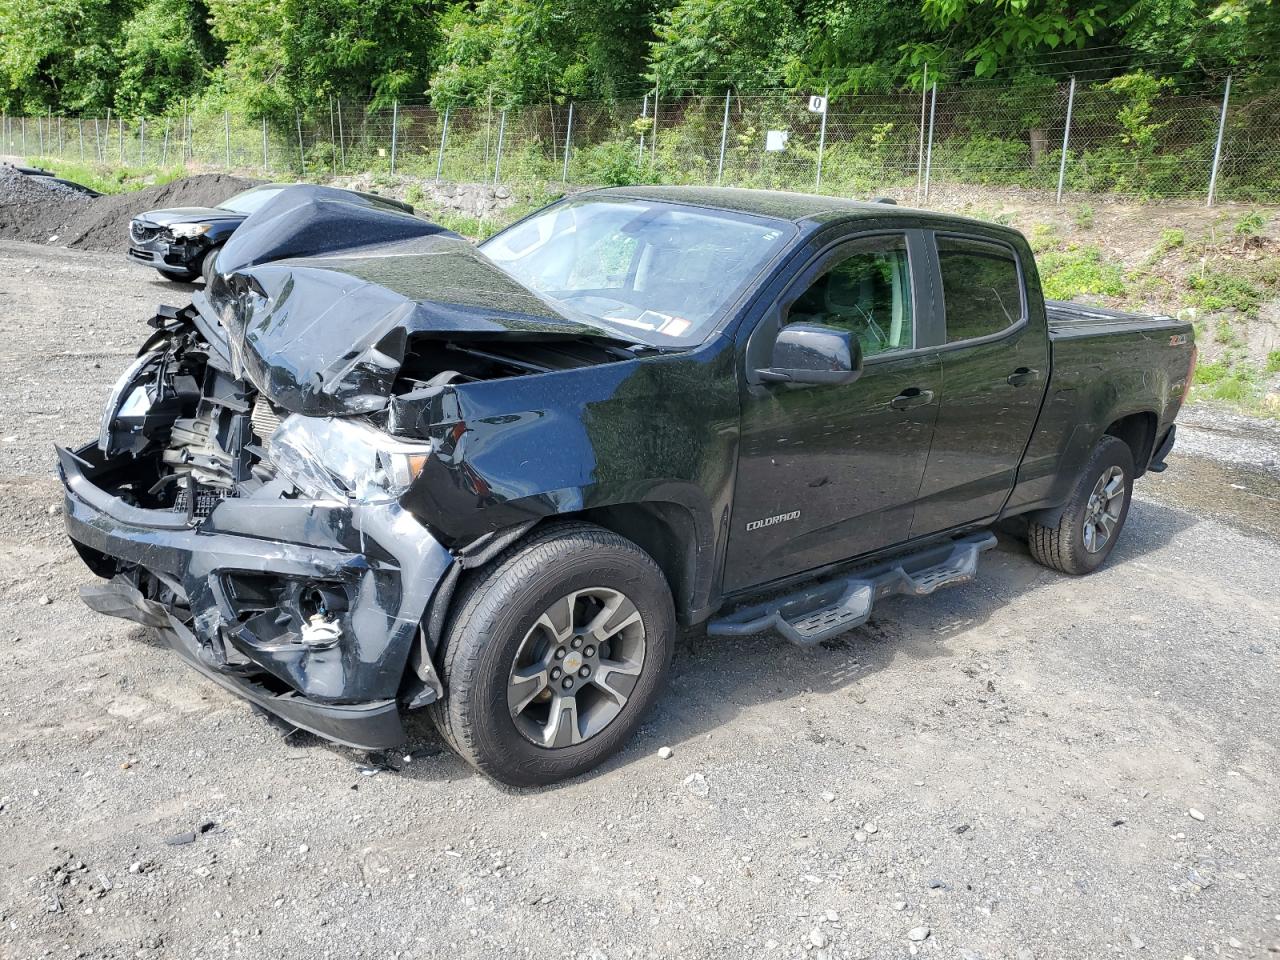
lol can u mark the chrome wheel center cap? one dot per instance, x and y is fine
(572, 662)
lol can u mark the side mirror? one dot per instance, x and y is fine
(810, 353)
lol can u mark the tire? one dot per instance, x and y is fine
(1063, 546)
(498, 622)
(180, 276)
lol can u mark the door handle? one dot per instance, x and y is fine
(911, 397)
(1021, 376)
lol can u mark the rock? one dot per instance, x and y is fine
(1135, 941)
(860, 836)
(900, 905)
(44, 600)
(303, 848)
(180, 839)
(697, 784)
(833, 917)
(817, 938)
(870, 828)
(54, 509)
(918, 934)
(1025, 954)
(665, 753)
(1195, 814)
(1235, 944)
(828, 796)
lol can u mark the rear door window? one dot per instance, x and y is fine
(981, 287)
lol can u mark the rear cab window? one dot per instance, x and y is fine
(981, 287)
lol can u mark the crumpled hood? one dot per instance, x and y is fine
(319, 308)
(171, 215)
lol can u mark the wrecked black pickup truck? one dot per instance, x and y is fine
(373, 468)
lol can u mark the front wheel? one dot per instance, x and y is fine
(553, 654)
(1094, 515)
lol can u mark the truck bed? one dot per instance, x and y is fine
(1077, 320)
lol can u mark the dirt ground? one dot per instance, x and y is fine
(1029, 766)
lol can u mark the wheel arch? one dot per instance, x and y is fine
(1138, 430)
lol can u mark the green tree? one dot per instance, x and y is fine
(714, 44)
(166, 54)
(60, 55)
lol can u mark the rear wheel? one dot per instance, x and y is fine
(1094, 515)
(553, 654)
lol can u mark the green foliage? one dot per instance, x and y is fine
(1251, 224)
(613, 163)
(111, 179)
(723, 43)
(1227, 380)
(1084, 216)
(1079, 270)
(1214, 289)
(167, 51)
(1273, 361)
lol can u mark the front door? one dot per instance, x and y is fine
(829, 472)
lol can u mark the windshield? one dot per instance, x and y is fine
(251, 200)
(659, 272)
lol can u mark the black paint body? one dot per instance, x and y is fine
(685, 452)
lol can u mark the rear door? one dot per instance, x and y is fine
(828, 472)
(995, 367)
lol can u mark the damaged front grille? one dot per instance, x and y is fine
(142, 232)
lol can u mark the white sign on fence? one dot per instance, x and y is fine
(817, 104)
(775, 141)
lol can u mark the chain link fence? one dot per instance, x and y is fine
(1062, 139)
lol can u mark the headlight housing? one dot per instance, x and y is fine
(133, 406)
(341, 459)
(185, 231)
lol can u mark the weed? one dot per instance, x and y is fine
(1251, 224)
(414, 194)
(1219, 290)
(1084, 216)
(1273, 361)
(1079, 270)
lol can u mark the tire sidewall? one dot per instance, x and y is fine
(501, 618)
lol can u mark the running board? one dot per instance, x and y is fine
(823, 610)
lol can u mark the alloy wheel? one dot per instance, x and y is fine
(576, 667)
(1102, 512)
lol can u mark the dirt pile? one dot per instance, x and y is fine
(35, 209)
(34, 212)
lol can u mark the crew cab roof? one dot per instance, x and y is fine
(780, 205)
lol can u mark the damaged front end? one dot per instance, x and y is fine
(281, 484)
(274, 582)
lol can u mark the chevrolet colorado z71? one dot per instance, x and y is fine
(373, 468)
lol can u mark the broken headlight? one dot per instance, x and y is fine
(185, 231)
(129, 402)
(330, 458)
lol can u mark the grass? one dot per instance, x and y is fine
(1080, 269)
(1217, 289)
(109, 179)
(1227, 380)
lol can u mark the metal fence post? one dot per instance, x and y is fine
(644, 115)
(653, 145)
(822, 136)
(1066, 136)
(924, 99)
(24, 136)
(142, 141)
(724, 136)
(266, 158)
(568, 141)
(97, 140)
(395, 123)
(342, 138)
(80, 133)
(226, 134)
(302, 153)
(333, 141)
(444, 138)
(497, 160)
(928, 154)
(120, 138)
(164, 147)
(1217, 149)
(40, 134)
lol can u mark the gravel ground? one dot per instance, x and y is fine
(1029, 766)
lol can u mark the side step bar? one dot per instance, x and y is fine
(823, 610)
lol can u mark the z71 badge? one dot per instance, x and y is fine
(1178, 340)
(772, 521)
